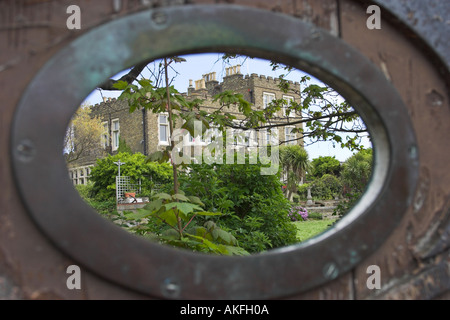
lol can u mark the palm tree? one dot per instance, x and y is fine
(295, 162)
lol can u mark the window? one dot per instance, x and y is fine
(163, 128)
(238, 136)
(290, 137)
(115, 134)
(194, 141)
(267, 99)
(251, 138)
(212, 134)
(105, 135)
(271, 137)
(286, 112)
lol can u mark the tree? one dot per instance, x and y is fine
(325, 165)
(254, 208)
(178, 210)
(83, 136)
(294, 161)
(324, 114)
(356, 171)
(355, 175)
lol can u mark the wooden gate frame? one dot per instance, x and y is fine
(410, 49)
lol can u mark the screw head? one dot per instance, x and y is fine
(25, 151)
(330, 271)
(159, 18)
(170, 289)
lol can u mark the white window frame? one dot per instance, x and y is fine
(161, 142)
(290, 136)
(291, 113)
(266, 102)
(115, 134)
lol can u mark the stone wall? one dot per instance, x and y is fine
(131, 124)
(140, 129)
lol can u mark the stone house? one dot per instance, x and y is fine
(146, 132)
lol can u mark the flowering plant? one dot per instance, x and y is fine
(298, 214)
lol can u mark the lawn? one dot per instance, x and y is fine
(310, 228)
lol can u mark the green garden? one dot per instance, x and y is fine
(229, 209)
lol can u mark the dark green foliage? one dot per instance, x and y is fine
(106, 208)
(253, 205)
(325, 188)
(177, 215)
(356, 172)
(295, 162)
(325, 165)
(345, 205)
(104, 174)
(123, 147)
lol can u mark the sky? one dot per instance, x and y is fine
(199, 64)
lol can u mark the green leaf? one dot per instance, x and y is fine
(164, 196)
(153, 206)
(121, 85)
(210, 245)
(179, 196)
(169, 217)
(207, 213)
(237, 251)
(155, 156)
(140, 214)
(171, 234)
(196, 200)
(144, 82)
(184, 207)
(225, 236)
(199, 232)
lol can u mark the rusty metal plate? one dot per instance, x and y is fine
(56, 92)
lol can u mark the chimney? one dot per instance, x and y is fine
(233, 70)
(209, 77)
(200, 84)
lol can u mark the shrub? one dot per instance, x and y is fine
(103, 175)
(314, 216)
(298, 213)
(356, 171)
(105, 207)
(324, 188)
(85, 190)
(325, 165)
(175, 214)
(254, 207)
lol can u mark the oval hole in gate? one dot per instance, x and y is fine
(266, 155)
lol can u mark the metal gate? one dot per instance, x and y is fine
(398, 76)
